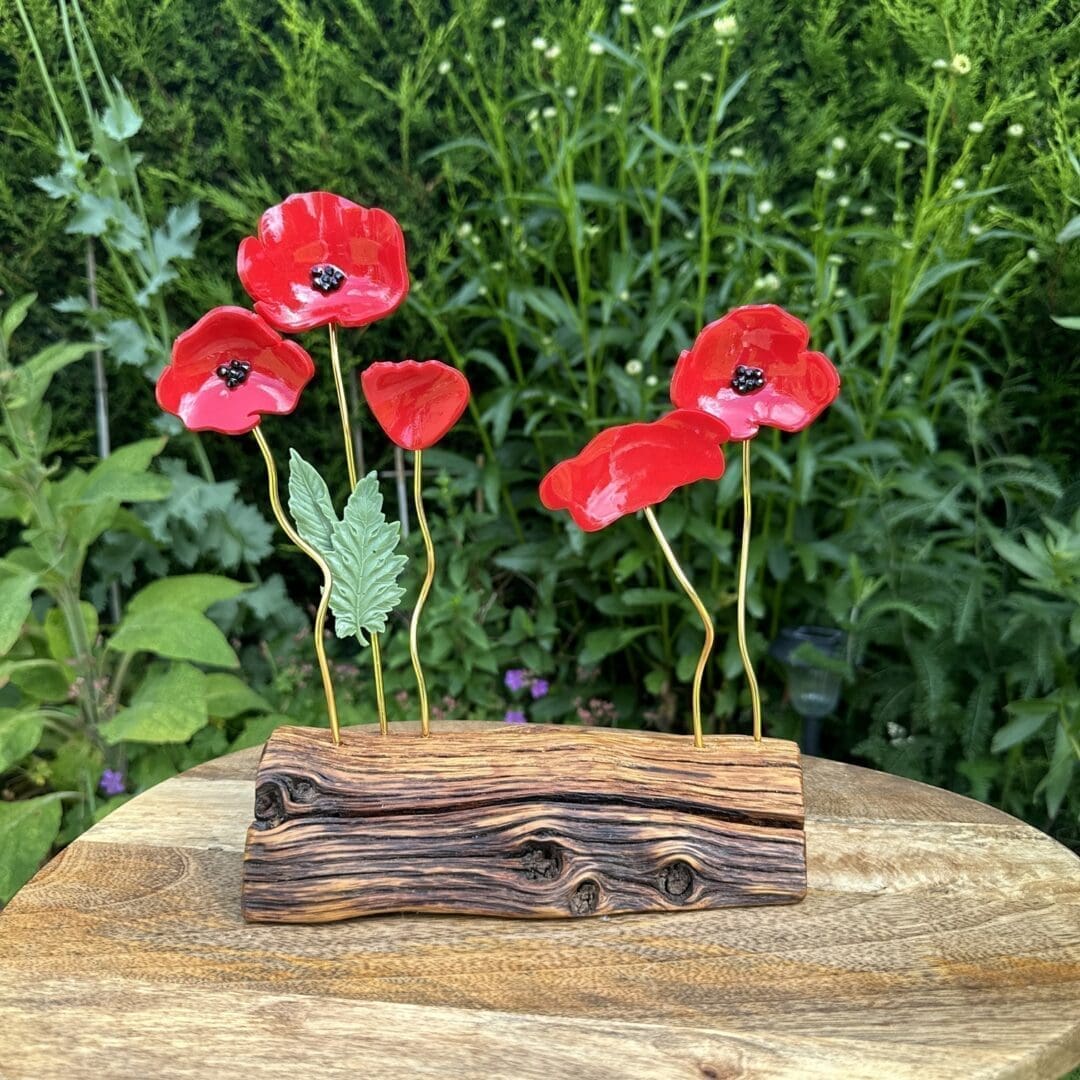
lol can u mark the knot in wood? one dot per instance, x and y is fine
(677, 879)
(301, 789)
(269, 806)
(541, 862)
(585, 899)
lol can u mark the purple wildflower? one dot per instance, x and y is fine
(516, 679)
(112, 782)
(539, 688)
(514, 716)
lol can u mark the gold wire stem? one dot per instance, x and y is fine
(744, 559)
(350, 462)
(429, 547)
(710, 633)
(324, 601)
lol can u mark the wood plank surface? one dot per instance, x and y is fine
(528, 822)
(939, 938)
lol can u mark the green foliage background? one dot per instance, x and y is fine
(573, 215)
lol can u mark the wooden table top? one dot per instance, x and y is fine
(939, 938)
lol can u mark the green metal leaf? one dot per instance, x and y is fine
(364, 565)
(310, 505)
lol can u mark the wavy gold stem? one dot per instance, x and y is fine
(324, 601)
(421, 520)
(744, 558)
(350, 462)
(710, 633)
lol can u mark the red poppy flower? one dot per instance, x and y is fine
(415, 402)
(752, 367)
(630, 467)
(322, 259)
(229, 370)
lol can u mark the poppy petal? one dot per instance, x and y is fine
(363, 247)
(629, 467)
(415, 402)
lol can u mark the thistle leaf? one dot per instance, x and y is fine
(364, 565)
(311, 506)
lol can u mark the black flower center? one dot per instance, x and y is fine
(747, 380)
(234, 373)
(327, 278)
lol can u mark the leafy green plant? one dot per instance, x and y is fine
(80, 701)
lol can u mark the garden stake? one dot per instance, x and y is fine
(752, 368)
(350, 462)
(633, 467)
(748, 667)
(425, 588)
(324, 600)
(416, 404)
(710, 633)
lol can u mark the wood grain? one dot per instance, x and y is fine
(524, 822)
(939, 938)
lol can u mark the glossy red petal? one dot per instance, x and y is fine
(191, 388)
(627, 468)
(799, 384)
(415, 402)
(316, 229)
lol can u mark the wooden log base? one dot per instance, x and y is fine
(526, 822)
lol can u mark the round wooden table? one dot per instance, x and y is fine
(939, 938)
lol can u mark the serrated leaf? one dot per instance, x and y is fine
(227, 696)
(169, 707)
(364, 565)
(20, 732)
(192, 592)
(127, 342)
(176, 238)
(60, 185)
(120, 121)
(310, 505)
(92, 216)
(27, 830)
(174, 633)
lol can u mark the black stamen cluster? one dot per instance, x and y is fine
(234, 373)
(327, 278)
(747, 380)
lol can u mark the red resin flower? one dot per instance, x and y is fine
(752, 367)
(322, 259)
(229, 370)
(632, 466)
(415, 402)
